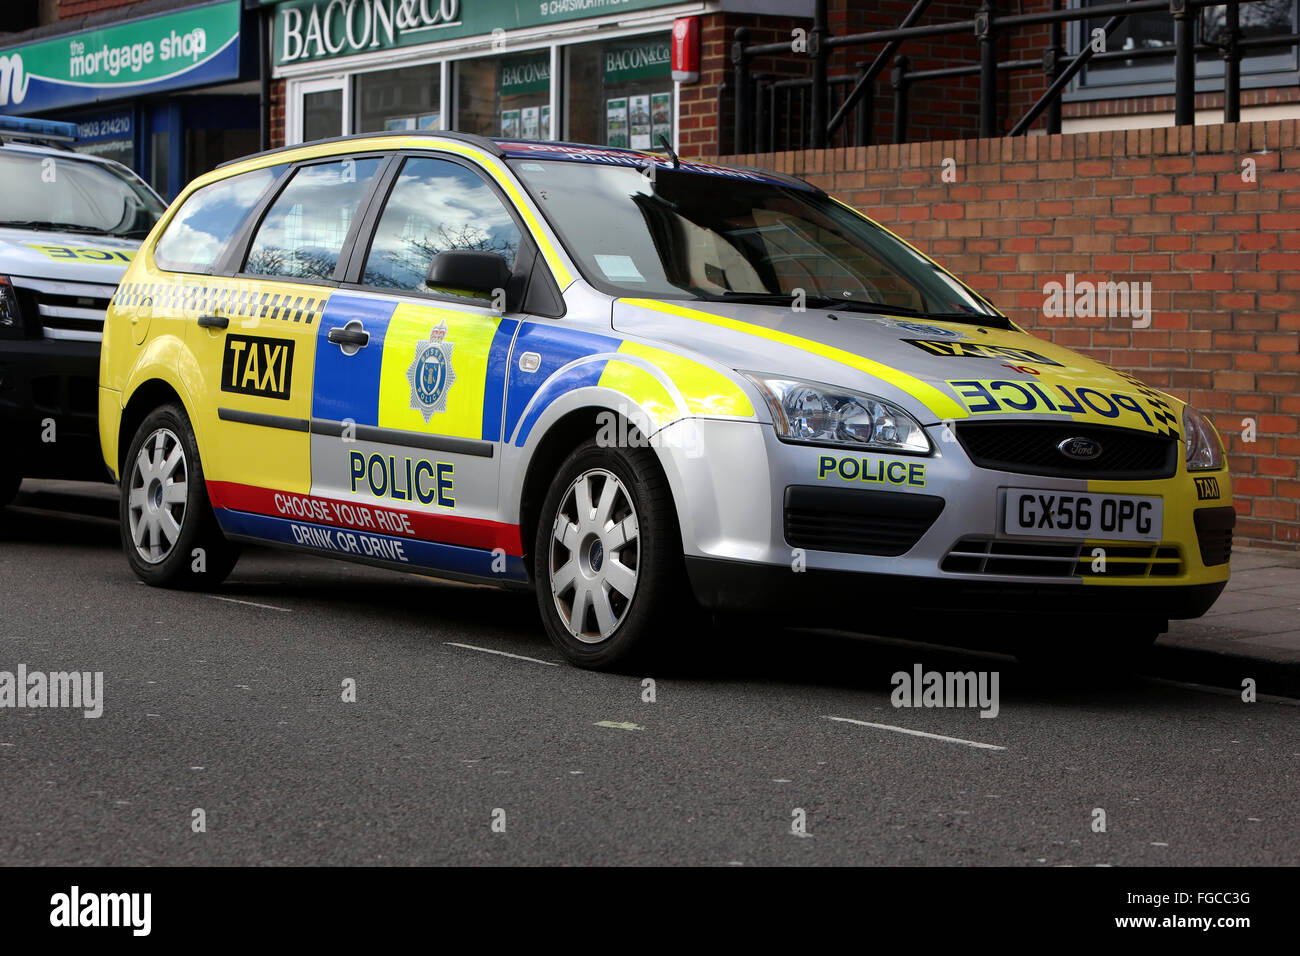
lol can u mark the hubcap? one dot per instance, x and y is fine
(156, 496)
(595, 551)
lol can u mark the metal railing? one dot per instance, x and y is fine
(782, 113)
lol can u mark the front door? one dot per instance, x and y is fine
(409, 386)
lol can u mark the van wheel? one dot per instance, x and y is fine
(9, 483)
(608, 558)
(169, 532)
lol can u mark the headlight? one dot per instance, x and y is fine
(10, 317)
(1204, 450)
(823, 415)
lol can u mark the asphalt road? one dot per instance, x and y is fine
(232, 703)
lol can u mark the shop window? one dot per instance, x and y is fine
(507, 97)
(408, 98)
(108, 135)
(307, 225)
(435, 206)
(322, 115)
(620, 92)
(206, 149)
(193, 239)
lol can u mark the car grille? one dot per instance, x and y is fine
(64, 310)
(1030, 559)
(882, 523)
(1030, 448)
(1214, 534)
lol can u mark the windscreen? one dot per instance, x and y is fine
(65, 194)
(679, 234)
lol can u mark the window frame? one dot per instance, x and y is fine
(236, 262)
(1209, 73)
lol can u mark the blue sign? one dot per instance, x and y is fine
(108, 126)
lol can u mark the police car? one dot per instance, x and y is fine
(639, 385)
(69, 225)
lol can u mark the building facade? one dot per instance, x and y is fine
(167, 87)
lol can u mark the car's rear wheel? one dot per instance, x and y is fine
(608, 558)
(169, 533)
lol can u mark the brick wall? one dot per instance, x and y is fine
(937, 108)
(707, 107)
(1165, 206)
(79, 8)
(277, 113)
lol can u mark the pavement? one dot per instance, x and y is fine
(1258, 614)
(774, 748)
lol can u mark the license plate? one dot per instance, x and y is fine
(1055, 514)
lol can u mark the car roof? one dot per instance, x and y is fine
(550, 150)
(62, 152)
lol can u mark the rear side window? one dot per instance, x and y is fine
(303, 233)
(436, 206)
(193, 239)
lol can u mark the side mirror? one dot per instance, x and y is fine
(468, 273)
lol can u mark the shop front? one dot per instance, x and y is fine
(591, 71)
(170, 95)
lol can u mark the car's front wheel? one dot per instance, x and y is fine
(608, 558)
(169, 532)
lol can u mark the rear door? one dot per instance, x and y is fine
(407, 405)
(254, 336)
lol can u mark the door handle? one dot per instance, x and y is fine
(349, 335)
(214, 321)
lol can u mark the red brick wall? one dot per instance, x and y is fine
(79, 8)
(936, 108)
(1168, 206)
(707, 121)
(277, 113)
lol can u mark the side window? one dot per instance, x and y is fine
(434, 206)
(303, 233)
(193, 239)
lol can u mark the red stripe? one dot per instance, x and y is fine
(367, 516)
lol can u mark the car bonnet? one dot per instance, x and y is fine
(936, 370)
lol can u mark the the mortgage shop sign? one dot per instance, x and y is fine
(192, 47)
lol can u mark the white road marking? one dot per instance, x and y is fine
(488, 650)
(1223, 691)
(917, 733)
(268, 607)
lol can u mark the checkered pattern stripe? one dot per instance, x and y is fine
(1161, 411)
(230, 301)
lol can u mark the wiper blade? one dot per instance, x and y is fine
(855, 305)
(54, 226)
(971, 318)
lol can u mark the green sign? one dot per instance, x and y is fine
(191, 47)
(525, 74)
(645, 60)
(307, 30)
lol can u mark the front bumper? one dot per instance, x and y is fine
(873, 601)
(49, 408)
(744, 551)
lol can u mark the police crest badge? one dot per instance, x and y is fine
(430, 373)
